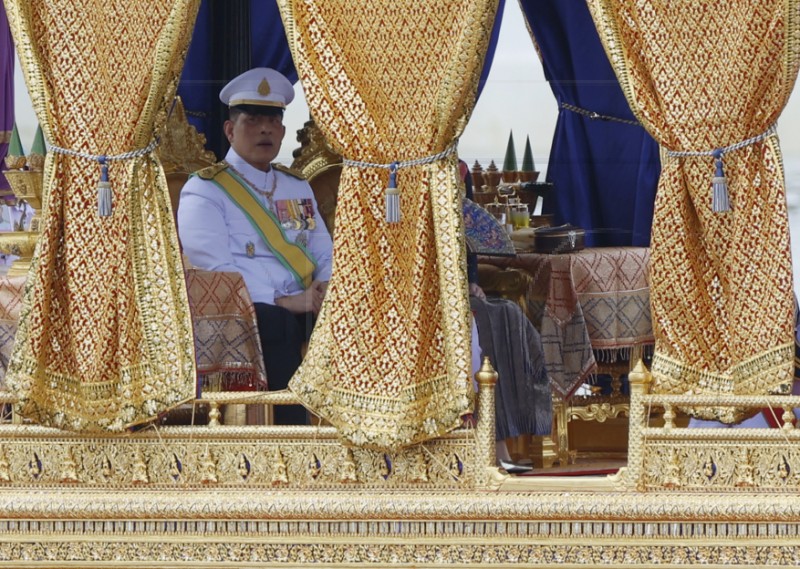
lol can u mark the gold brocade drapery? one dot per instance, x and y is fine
(389, 361)
(105, 337)
(702, 75)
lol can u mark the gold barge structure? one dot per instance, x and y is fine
(266, 496)
(201, 496)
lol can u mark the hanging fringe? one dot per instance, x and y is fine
(392, 196)
(720, 201)
(104, 194)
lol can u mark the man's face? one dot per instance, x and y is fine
(256, 138)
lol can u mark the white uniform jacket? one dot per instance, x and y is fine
(217, 236)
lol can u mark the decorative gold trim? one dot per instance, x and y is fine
(256, 102)
(5, 136)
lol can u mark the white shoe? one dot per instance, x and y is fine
(514, 468)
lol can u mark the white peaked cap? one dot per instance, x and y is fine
(260, 86)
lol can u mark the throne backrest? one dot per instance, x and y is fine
(182, 151)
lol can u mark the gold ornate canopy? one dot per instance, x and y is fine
(389, 361)
(701, 76)
(105, 337)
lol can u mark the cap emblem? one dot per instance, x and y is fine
(263, 88)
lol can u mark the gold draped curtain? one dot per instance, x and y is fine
(389, 360)
(702, 75)
(105, 337)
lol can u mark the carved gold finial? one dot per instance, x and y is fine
(5, 473)
(486, 376)
(139, 468)
(263, 88)
(640, 379)
(348, 469)
(279, 469)
(208, 468)
(69, 468)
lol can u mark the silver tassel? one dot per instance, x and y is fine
(392, 197)
(720, 201)
(104, 194)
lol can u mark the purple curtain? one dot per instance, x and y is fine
(604, 172)
(6, 95)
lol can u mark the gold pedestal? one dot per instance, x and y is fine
(27, 186)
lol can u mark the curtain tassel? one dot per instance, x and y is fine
(392, 196)
(104, 195)
(720, 202)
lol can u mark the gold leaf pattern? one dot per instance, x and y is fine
(721, 284)
(389, 360)
(105, 337)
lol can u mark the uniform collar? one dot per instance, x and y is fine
(254, 175)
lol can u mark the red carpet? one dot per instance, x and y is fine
(584, 467)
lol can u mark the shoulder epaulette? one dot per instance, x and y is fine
(286, 170)
(209, 172)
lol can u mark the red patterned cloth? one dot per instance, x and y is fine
(226, 342)
(588, 304)
(227, 347)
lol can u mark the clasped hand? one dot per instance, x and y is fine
(310, 300)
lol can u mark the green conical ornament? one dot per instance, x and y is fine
(527, 157)
(510, 161)
(15, 156)
(38, 143)
(15, 146)
(38, 151)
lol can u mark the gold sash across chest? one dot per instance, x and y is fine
(296, 258)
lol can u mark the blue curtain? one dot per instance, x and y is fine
(199, 88)
(604, 172)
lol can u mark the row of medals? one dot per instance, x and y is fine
(298, 223)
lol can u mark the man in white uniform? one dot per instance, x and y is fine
(259, 219)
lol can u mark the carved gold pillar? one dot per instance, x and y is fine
(487, 475)
(640, 381)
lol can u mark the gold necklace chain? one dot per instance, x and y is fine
(266, 193)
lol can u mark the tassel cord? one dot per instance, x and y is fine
(104, 191)
(392, 194)
(720, 200)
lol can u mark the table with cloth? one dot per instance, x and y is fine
(226, 342)
(589, 306)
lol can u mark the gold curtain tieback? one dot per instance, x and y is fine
(720, 201)
(104, 193)
(392, 191)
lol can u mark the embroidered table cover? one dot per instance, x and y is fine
(586, 305)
